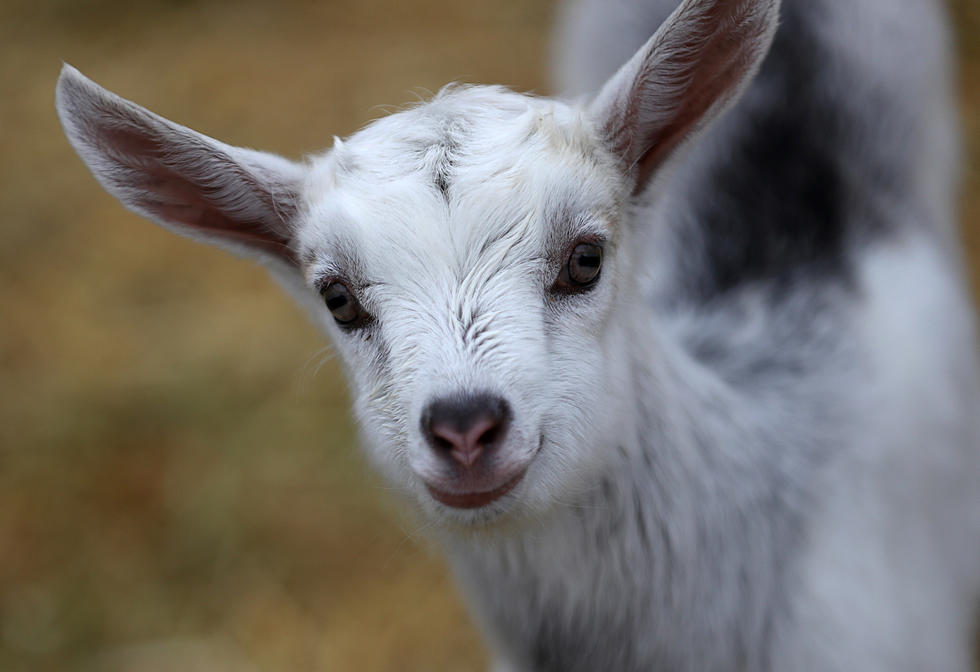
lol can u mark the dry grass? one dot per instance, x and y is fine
(179, 486)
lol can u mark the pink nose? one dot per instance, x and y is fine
(467, 427)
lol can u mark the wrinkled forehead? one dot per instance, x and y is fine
(437, 186)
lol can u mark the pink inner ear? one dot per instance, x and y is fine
(715, 75)
(688, 71)
(198, 214)
(174, 197)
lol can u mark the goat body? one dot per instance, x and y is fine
(684, 375)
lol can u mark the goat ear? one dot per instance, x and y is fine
(686, 75)
(239, 199)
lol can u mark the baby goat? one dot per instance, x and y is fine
(683, 374)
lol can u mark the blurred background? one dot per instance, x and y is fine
(180, 487)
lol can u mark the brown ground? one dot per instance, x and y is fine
(179, 485)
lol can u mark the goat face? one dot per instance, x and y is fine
(468, 248)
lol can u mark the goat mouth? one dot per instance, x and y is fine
(475, 500)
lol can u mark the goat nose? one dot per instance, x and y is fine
(466, 427)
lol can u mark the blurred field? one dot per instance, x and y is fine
(179, 483)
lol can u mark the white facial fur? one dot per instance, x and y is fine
(459, 282)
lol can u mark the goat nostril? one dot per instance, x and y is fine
(489, 436)
(441, 443)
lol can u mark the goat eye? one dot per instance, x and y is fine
(342, 305)
(584, 264)
(582, 268)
